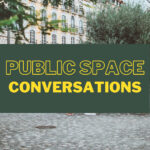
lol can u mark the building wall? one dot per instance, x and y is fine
(59, 12)
(7, 38)
(78, 37)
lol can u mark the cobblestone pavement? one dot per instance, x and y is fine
(78, 132)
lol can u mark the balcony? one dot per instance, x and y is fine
(64, 27)
(81, 31)
(54, 24)
(73, 29)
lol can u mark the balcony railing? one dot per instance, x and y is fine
(64, 27)
(73, 29)
(81, 31)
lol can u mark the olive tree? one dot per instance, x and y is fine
(127, 24)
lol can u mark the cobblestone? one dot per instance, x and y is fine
(77, 132)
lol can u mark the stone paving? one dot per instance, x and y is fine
(78, 132)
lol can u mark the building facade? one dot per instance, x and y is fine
(7, 37)
(71, 28)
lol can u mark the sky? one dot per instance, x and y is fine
(144, 3)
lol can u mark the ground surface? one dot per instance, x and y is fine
(78, 132)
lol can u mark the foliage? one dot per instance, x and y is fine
(7, 22)
(126, 24)
(13, 13)
(72, 30)
(64, 29)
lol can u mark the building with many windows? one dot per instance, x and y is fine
(71, 29)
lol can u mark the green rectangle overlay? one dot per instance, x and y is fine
(74, 78)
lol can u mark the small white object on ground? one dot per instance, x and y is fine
(90, 114)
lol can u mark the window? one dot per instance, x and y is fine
(63, 21)
(44, 14)
(32, 10)
(72, 22)
(54, 16)
(81, 26)
(72, 40)
(44, 41)
(54, 39)
(32, 36)
(81, 10)
(63, 40)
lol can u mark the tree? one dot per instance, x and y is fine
(13, 14)
(127, 24)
